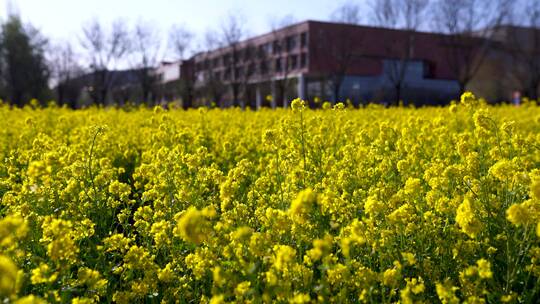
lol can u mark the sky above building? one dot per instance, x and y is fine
(63, 19)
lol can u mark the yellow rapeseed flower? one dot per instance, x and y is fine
(467, 219)
(298, 104)
(303, 203)
(535, 189)
(484, 269)
(468, 99)
(8, 276)
(518, 214)
(192, 226)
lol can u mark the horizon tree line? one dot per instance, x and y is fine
(32, 66)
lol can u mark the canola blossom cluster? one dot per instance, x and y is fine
(337, 205)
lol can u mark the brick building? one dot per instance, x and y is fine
(174, 81)
(330, 61)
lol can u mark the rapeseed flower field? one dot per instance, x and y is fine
(337, 205)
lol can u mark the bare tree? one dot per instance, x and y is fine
(468, 25)
(281, 67)
(64, 71)
(105, 50)
(348, 12)
(146, 52)
(180, 40)
(180, 43)
(344, 46)
(278, 22)
(232, 32)
(400, 14)
(523, 45)
(213, 87)
(251, 57)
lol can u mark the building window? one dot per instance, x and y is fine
(278, 65)
(290, 43)
(250, 70)
(269, 48)
(263, 67)
(303, 39)
(200, 77)
(293, 60)
(429, 69)
(303, 60)
(276, 47)
(238, 72)
(247, 53)
(265, 49)
(261, 53)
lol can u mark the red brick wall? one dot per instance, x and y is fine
(369, 46)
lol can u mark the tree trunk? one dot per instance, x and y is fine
(462, 87)
(533, 89)
(281, 92)
(60, 94)
(398, 94)
(337, 87)
(187, 99)
(235, 96)
(531, 92)
(102, 97)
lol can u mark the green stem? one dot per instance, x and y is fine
(303, 145)
(278, 173)
(90, 171)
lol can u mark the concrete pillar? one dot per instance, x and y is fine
(273, 92)
(258, 97)
(301, 87)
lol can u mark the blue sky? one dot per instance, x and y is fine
(62, 19)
